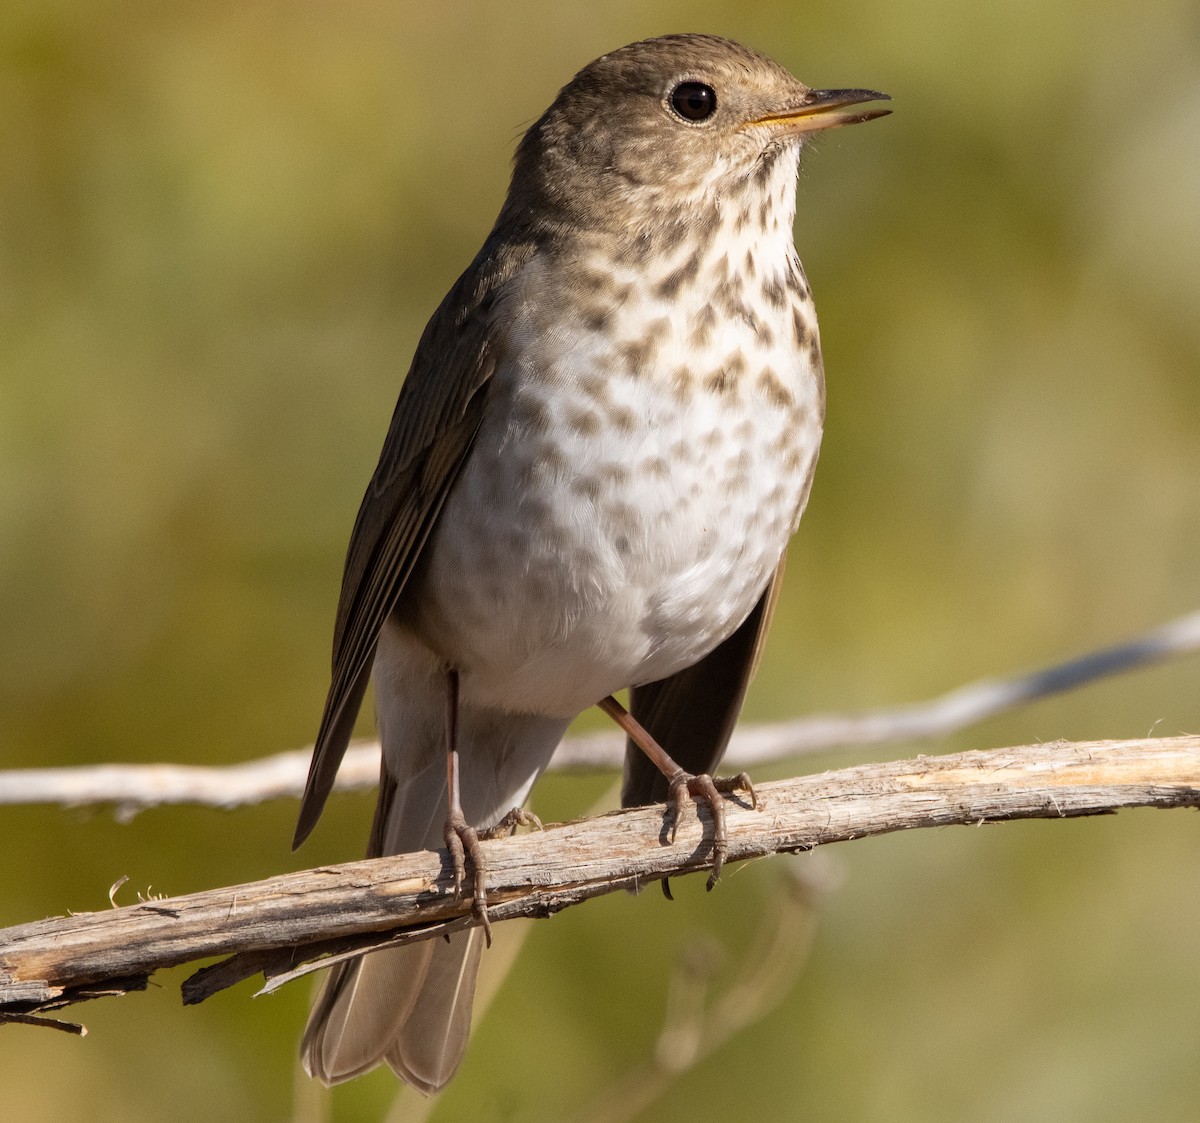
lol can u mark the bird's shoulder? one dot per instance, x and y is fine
(454, 359)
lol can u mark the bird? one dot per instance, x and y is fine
(604, 442)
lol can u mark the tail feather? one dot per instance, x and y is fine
(361, 1010)
(430, 1046)
(411, 1006)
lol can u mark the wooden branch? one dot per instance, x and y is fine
(270, 926)
(131, 788)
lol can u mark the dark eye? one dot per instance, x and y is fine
(693, 101)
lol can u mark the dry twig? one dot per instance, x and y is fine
(272, 926)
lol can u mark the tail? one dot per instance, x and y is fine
(411, 1006)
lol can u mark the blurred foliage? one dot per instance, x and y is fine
(222, 226)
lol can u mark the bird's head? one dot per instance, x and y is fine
(668, 126)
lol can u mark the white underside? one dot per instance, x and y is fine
(548, 597)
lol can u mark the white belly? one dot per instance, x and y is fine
(611, 527)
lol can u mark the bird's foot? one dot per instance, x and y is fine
(517, 817)
(709, 791)
(462, 840)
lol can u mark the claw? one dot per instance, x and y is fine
(704, 789)
(517, 817)
(462, 840)
(454, 844)
(739, 783)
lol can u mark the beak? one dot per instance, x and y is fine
(820, 110)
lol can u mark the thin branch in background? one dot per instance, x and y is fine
(132, 788)
(272, 925)
(985, 698)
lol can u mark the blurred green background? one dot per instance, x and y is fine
(222, 227)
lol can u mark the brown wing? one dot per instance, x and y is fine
(435, 421)
(692, 713)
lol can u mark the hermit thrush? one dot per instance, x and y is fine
(604, 443)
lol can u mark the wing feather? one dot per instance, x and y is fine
(437, 415)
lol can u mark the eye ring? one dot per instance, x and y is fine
(693, 101)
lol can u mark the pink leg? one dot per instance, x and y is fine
(702, 788)
(462, 839)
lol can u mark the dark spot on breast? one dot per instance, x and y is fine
(530, 414)
(636, 250)
(719, 273)
(636, 354)
(726, 378)
(719, 382)
(793, 461)
(728, 298)
(782, 444)
(596, 317)
(799, 326)
(671, 234)
(776, 495)
(702, 325)
(737, 471)
(587, 486)
(619, 294)
(774, 293)
(814, 351)
(683, 383)
(588, 281)
(552, 461)
(597, 387)
(668, 288)
(623, 418)
(582, 420)
(797, 279)
(657, 329)
(530, 475)
(772, 387)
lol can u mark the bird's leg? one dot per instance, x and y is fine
(462, 839)
(703, 788)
